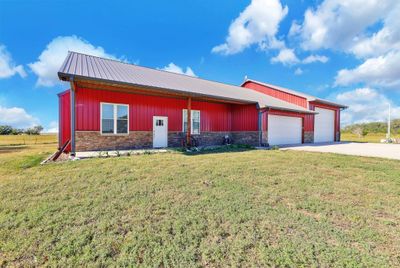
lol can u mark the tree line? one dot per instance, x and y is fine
(373, 127)
(9, 130)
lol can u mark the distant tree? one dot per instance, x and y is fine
(6, 130)
(364, 132)
(357, 131)
(17, 131)
(34, 131)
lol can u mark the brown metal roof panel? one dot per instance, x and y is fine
(119, 72)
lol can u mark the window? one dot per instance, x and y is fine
(195, 124)
(159, 122)
(114, 118)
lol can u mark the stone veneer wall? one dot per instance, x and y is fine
(94, 141)
(264, 137)
(246, 137)
(308, 136)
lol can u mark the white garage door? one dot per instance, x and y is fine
(324, 126)
(284, 130)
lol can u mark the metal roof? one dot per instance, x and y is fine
(82, 66)
(297, 93)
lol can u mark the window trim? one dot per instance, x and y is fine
(115, 113)
(191, 123)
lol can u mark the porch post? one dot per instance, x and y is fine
(72, 96)
(189, 121)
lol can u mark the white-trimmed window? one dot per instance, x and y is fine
(195, 124)
(114, 118)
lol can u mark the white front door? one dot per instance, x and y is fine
(284, 130)
(324, 125)
(160, 131)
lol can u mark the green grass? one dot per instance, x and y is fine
(370, 137)
(27, 139)
(244, 208)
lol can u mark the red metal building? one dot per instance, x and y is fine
(114, 105)
(324, 126)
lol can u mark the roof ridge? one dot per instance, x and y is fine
(154, 69)
(279, 87)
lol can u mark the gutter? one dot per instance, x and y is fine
(72, 97)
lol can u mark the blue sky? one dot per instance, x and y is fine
(325, 48)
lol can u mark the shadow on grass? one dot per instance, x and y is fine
(12, 149)
(31, 161)
(234, 148)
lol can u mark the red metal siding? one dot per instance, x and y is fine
(214, 116)
(300, 101)
(64, 118)
(264, 121)
(142, 108)
(244, 117)
(309, 120)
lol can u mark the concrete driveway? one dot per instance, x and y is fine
(391, 151)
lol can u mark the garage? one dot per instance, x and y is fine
(324, 125)
(284, 130)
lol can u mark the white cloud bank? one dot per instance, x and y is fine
(51, 59)
(338, 24)
(365, 105)
(179, 70)
(7, 66)
(257, 24)
(369, 30)
(382, 71)
(17, 117)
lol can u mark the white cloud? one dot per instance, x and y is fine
(52, 127)
(286, 56)
(315, 58)
(51, 59)
(365, 105)
(385, 40)
(298, 71)
(257, 24)
(381, 71)
(176, 69)
(7, 65)
(17, 117)
(295, 29)
(338, 24)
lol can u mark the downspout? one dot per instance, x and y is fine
(259, 125)
(189, 122)
(72, 96)
(59, 122)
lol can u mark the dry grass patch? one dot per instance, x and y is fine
(265, 208)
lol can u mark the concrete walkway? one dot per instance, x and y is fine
(391, 151)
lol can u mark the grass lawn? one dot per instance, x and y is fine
(244, 208)
(370, 137)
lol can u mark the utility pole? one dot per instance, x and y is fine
(388, 130)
